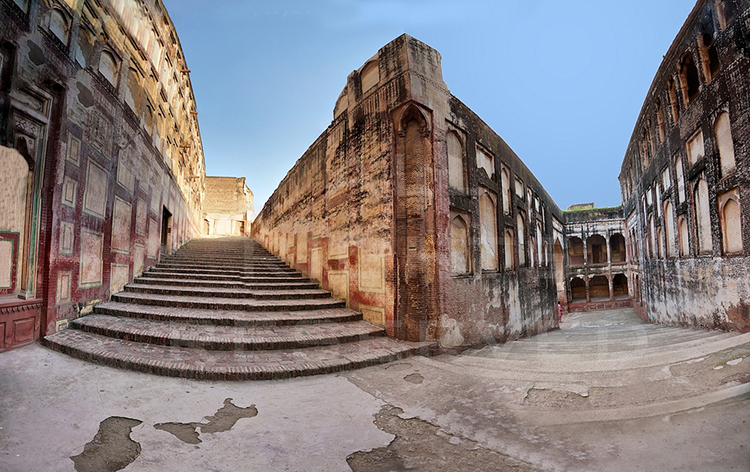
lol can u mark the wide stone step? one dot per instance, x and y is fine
(229, 317)
(272, 284)
(227, 337)
(220, 267)
(608, 344)
(204, 364)
(293, 278)
(281, 292)
(216, 303)
(195, 274)
(208, 260)
(246, 272)
(599, 361)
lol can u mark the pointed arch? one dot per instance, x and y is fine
(460, 249)
(456, 162)
(488, 230)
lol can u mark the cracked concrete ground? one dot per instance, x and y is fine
(440, 414)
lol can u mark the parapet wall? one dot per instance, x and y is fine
(416, 213)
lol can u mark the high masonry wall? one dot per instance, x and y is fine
(101, 157)
(685, 178)
(415, 212)
(228, 207)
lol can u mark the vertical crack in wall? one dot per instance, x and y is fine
(224, 420)
(111, 449)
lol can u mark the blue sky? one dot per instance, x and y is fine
(562, 82)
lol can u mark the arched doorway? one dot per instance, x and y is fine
(596, 250)
(577, 289)
(599, 288)
(617, 248)
(620, 286)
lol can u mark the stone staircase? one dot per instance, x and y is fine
(226, 309)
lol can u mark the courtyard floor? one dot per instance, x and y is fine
(605, 393)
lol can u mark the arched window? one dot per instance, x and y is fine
(660, 121)
(539, 244)
(684, 237)
(575, 252)
(731, 228)
(724, 141)
(460, 254)
(488, 231)
(370, 76)
(651, 237)
(689, 81)
(695, 147)
(108, 67)
(617, 248)
(521, 228)
(596, 250)
(680, 181)
(669, 229)
(505, 185)
(508, 249)
(58, 25)
(659, 243)
(703, 217)
(456, 163)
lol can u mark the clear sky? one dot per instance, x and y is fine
(562, 82)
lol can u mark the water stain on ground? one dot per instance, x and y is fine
(422, 446)
(111, 449)
(224, 419)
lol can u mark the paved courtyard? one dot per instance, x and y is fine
(605, 393)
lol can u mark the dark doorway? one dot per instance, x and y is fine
(166, 231)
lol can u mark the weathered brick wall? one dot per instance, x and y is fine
(688, 286)
(228, 206)
(367, 211)
(106, 114)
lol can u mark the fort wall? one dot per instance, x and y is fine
(102, 142)
(416, 213)
(685, 178)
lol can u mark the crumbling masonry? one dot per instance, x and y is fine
(415, 212)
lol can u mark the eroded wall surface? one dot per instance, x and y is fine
(96, 102)
(686, 176)
(402, 208)
(228, 208)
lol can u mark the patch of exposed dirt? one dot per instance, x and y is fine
(111, 449)
(414, 378)
(224, 419)
(422, 446)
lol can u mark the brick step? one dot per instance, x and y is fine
(281, 292)
(220, 270)
(202, 364)
(216, 303)
(228, 317)
(292, 278)
(227, 284)
(190, 258)
(226, 338)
